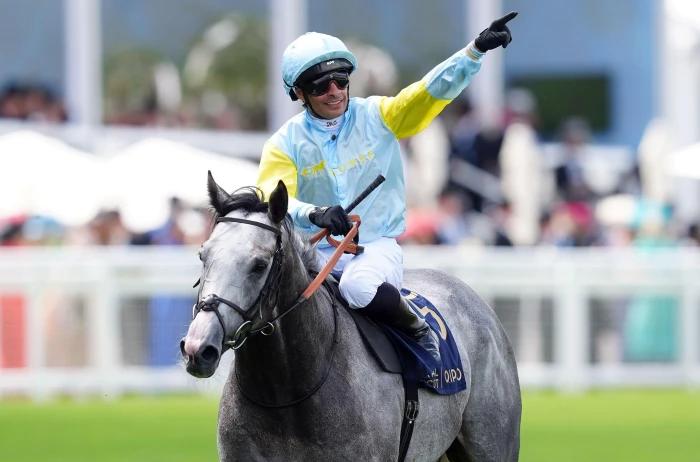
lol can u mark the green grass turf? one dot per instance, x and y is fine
(615, 426)
(611, 426)
(151, 429)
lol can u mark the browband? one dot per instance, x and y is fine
(248, 222)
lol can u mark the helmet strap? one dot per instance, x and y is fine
(308, 106)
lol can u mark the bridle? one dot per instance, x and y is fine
(270, 288)
(268, 292)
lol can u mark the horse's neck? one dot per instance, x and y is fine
(286, 365)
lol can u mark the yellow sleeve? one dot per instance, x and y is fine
(411, 110)
(275, 165)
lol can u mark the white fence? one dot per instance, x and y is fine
(567, 313)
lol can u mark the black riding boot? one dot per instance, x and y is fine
(389, 307)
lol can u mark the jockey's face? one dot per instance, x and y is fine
(329, 105)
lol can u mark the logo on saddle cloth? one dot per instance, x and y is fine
(450, 377)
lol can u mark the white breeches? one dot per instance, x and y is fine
(382, 261)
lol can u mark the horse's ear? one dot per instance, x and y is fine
(217, 196)
(279, 200)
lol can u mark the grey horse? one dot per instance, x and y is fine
(304, 387)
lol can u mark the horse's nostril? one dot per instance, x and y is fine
(210, 354)
(182, 347)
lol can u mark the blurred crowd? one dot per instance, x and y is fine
(185, 225)
(32, 102)
(503, 186)
(466, 185)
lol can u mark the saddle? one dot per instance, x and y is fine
(377, 342)
(398, 353)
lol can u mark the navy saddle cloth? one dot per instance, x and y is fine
(409, 358)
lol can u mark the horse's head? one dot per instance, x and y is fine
(242, 261)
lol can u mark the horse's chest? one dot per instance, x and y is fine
(314, 429)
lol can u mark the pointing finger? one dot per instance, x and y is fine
(500, 22)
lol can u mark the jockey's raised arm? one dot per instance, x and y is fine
(414, 107)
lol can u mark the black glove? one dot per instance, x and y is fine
(334, 218)
(496, 35)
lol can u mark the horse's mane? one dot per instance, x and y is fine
(251, 199)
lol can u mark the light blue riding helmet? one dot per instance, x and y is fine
(311, 49)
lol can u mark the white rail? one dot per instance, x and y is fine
(537, 281)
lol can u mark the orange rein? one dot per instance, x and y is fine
(346, 245)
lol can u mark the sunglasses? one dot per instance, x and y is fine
(321, 85)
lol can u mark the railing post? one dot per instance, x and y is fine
(34, 338)
(104, 336)
(571, 331)
(530, 328)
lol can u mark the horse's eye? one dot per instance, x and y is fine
(259, 265)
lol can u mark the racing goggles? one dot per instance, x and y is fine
(321, 85)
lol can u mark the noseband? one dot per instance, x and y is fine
(268, 292)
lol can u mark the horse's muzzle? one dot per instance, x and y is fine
(201, 363)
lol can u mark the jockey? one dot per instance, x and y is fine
(327, 154)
